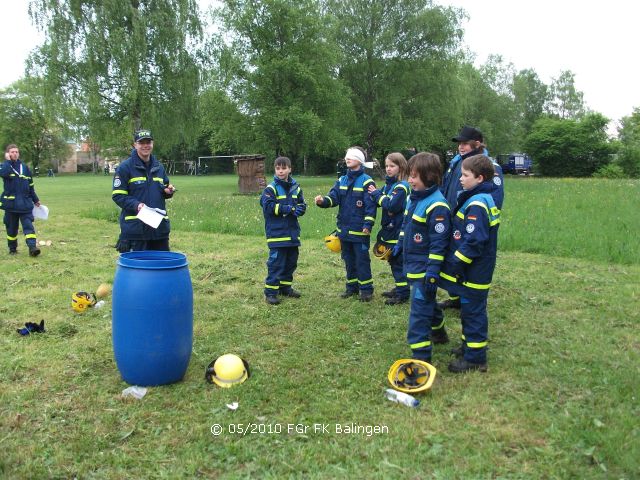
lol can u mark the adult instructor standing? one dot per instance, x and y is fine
(18, 200)
(141, 180)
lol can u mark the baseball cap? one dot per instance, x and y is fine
(142, 135)
(468, 133)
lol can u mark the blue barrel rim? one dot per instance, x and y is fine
(152, 260)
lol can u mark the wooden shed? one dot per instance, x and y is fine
(250, 173)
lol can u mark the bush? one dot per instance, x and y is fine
(610, 171)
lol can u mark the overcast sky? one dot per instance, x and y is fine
(597, 41)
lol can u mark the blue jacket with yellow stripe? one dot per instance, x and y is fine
(19, 194)
(471, 260)
(357, 210)
(425, 233)
(451, 182)
(282, 203)
(136, 182)
(393, 200)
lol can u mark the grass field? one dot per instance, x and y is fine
(560, 399)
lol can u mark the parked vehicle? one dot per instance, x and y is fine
(515, 163)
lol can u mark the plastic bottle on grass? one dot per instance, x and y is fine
(401, 397)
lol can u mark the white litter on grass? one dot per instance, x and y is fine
(135, 392)
(233, 406)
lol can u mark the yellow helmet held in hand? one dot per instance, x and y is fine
(333, 242)
(80, 301)
(227, 371)
(381, 251)
(411, 376)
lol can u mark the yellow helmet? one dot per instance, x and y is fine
(333, 242)
(80, 301)
(381, 251)
(227, 370)
(411, 376)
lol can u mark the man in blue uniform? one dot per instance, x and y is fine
(18, 200)
(141, 180)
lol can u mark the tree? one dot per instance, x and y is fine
(398, 57)
(565, 101)
(573, 148)
(530, 95)
(25, 122)
(281, 76)
(629, 137)
(125, 64)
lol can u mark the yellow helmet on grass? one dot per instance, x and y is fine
(80, 301)
(227, 370)
(333, 242)
(411, 376)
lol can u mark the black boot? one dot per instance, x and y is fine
(366, 296)
(34, 251)
(396, 300)
(389, 293)
(272, 300)
(439, 336)
(290, 293)
(460, 365)
(349, 293)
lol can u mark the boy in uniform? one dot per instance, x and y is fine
(471, 260)
(282, 203)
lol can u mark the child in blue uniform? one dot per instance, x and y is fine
(282, 203)
(356, 216)
(470, 142)
(425, 236)
(471, 260)
(393, 201)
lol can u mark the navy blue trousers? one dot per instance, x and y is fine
(475, 328)
(397, 270)
(424, 316)
(358, 265)
(12, 221)
(281, 264)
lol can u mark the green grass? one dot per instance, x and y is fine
(559, 401)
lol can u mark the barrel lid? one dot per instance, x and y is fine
(152, 260)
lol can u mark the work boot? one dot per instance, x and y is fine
(290, 293)
(396, 300)
(272, 300)
(389, 293)
(458, 351)
(439, 337)
(460, 365)
(13, 252)
(34, 251)
(449, 303)
(366, 296)
(349, 293)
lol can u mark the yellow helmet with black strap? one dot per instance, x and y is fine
(80, 301)
(411, 376)
(381, 251)
(227, 370)
(332, 242)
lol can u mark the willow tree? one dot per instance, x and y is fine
(125, 63)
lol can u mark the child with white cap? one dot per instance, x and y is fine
(356, 216)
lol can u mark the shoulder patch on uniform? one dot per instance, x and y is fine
(116, 182)
(472, 217)
(439, 228)
(470, 228)
(439, 219)
(497, 180)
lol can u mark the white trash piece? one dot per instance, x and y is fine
(135, 392)
(99, 304)
(40, 213)
(401, 397)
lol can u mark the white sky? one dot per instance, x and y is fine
(595, 40)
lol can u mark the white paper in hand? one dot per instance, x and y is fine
(150, 216)
(41, 212)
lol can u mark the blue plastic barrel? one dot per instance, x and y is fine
(152, 324)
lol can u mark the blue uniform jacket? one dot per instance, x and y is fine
(134, 183)
(393, 200)
(19, 194)
(473, 243)
(282, 203)
(425, 233)
(451, 182)
(357, 210)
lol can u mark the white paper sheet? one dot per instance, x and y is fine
(150, 216)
